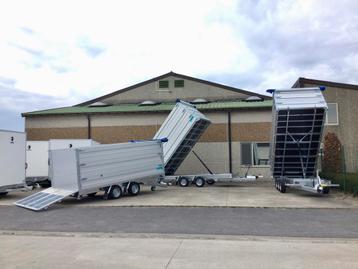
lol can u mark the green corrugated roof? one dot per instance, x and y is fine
(126, 108)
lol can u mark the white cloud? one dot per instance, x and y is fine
(136, 39)
(76, 50)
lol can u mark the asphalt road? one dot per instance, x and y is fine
(219, 221)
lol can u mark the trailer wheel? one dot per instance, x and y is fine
(282, 187)
(210, 181)
(199, 182)
(133, 188)
(183, 182)
(115, 192)
(325, 190)
(3, 193)
(279, 186)
(45, 184)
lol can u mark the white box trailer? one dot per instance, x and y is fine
(37, 161)
(113, 168)
(37, 157)
(297, 127)
(12, 161)
(183, 127)
(70, 143)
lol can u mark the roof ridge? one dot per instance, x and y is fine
(302, 80)
(171, 73)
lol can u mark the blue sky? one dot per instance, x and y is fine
(59, 53)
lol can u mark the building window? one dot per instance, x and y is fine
(163, 84)
(255, 153)
(246, 154)
(332, 114)
(179, 83)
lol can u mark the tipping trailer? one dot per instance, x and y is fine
(12, 161)
(37, 157)
(183, 127)
(297, 127)
(114, 168)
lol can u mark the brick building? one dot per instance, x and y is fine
(237, 140)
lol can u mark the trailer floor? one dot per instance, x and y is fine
(250, 194)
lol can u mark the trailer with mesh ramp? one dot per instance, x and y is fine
(115, 169)
(298, 117)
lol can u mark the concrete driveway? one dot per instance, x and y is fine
(109, 245)
(107, 251)
(259, 194)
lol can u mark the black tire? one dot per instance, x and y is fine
(133, 188)
(282, 187)
(115, 192)
(45, 184)
(210, 181)
(277, 185)
(183, 182)
(325, 190)
(199, 182)
(93, 194)
(3, 193)
(153, 188)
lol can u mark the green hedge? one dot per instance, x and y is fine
(347, 182)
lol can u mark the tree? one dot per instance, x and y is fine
(332, 154)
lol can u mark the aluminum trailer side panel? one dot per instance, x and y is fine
(298, 121)
(183, 128)
(105, 165)
(12, 160)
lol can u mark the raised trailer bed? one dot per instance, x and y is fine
(115, 169)
(183, 127)
(12, 161)
(297, 127)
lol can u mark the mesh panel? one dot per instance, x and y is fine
(185, 147)
(297, 136)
